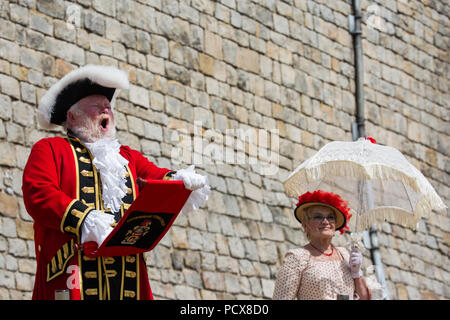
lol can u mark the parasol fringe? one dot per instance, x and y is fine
(347, 168)
(296, 183)
(387, 214)
(395, 215)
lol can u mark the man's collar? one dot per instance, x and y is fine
(72, 135)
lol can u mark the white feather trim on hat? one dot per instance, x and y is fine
(106, 76)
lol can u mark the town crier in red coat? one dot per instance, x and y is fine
(78, 186)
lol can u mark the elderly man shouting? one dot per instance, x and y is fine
(76, 187)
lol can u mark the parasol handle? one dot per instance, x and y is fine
(356, 241)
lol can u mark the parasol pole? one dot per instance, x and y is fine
(374, 248)
(358, 213)
(365, 195)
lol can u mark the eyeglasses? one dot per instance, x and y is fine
(320, 218)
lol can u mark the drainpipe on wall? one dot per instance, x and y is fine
(370, 237)
(355, 30)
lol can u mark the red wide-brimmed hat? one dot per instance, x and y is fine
(327, 199)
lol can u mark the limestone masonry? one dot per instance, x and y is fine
(211, 71)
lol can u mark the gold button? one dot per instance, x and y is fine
(108, 260)
(90, 274)
(129, 294)
(111, 273)
(85, 160)
(91, 292)
(86, 173)
(88, 189)
(70, 229)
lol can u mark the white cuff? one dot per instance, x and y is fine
(196, 199)
(96, 227)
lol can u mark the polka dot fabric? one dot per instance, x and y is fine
(303, 278)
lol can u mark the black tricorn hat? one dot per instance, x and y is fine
(74, 86)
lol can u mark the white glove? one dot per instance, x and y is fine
(96, 227)
(355, 262)
(191, 180)
(196, 199)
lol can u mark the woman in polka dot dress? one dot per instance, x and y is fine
(320, 271)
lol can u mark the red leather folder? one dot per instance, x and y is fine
(146, 222)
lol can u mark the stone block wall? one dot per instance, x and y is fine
(221, 71)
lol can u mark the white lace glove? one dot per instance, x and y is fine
(355, 262)
(199, 186)
(196, 199)
(96, 227)
(191, 180)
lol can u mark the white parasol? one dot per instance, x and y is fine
(379, 183)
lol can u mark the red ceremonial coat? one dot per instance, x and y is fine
(60, 187)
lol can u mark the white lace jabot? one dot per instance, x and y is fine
(112, 167)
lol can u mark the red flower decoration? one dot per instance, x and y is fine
(331, 199)
(371, 139)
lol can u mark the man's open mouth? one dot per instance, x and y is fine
(104, 124)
